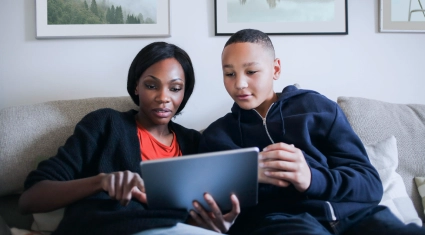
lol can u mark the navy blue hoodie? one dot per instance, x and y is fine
(343, 180)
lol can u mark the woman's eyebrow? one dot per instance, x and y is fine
(175, 80)
(171, 81)
(153, 77)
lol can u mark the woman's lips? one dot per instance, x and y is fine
(162, 113)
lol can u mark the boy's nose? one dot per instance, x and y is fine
(241, 83)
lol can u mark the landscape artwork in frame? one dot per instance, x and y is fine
(280, 17)
(102, 18)
(402, 16)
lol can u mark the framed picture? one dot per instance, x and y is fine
(280, 17)
(102, 18)
(402, 16)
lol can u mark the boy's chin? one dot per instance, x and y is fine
(245, 105)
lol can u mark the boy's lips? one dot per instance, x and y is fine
(243, 96)
(162, 112)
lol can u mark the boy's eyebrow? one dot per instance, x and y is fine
(243, 65)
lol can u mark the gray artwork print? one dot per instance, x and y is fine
(242, 11)
(407, 10)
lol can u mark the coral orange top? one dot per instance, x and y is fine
(151, 148)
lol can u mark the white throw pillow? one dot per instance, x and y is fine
(47, 222)
(384, 157)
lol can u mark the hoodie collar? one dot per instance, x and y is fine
(250, 116)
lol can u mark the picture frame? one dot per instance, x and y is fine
(160, 28)
(333, 20)
(402, 16)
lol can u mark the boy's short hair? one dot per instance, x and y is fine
(251, 36)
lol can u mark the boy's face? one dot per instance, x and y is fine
(248, 71)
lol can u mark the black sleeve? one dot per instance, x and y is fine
(71, 158)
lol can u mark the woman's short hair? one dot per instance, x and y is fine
(153, 53)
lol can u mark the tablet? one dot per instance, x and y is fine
(174, 183)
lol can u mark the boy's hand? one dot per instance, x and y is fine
(123, 186)
(215, 220)
(281, 164)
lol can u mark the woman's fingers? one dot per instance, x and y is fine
(123, 186)
(139, 195)
(214, 219)
(206, 219)
(215, 213)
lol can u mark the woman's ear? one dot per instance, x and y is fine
(136, 91)
(277, 68)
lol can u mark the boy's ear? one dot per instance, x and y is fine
(277, 68)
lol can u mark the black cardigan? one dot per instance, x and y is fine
(106, 141)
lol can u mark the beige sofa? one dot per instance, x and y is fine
(31, 133)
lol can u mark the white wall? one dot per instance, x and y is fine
(365, 63)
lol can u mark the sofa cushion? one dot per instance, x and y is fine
(375, 120)
(420, 183)
(384, 157)
(30, 132)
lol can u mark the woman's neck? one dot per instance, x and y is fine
(158, 131)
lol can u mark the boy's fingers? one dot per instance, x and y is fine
(280, 166)
(280, 146)
(276, 182)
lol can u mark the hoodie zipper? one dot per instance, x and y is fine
(332, 211)
(264, 122)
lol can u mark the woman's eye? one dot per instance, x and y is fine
(150, 86)
(176, 89)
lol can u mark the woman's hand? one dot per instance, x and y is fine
(282, 164)
(215, 220)
(123, 186)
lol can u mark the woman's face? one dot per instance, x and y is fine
(161, 91)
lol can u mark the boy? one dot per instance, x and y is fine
(314, 173)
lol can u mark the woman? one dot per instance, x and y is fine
(96, 174)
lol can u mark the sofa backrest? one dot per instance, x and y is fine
(30, 133)
(374, 121)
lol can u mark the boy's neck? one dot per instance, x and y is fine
(264, 107)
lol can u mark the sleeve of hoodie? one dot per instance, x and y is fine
(220, 135)
(349, 176)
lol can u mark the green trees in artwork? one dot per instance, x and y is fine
(119, 18)
(131, 19)
(93, 7)
(79, 12)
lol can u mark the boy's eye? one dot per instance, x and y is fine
(150, 86)
(251, 72)
(229, 74)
